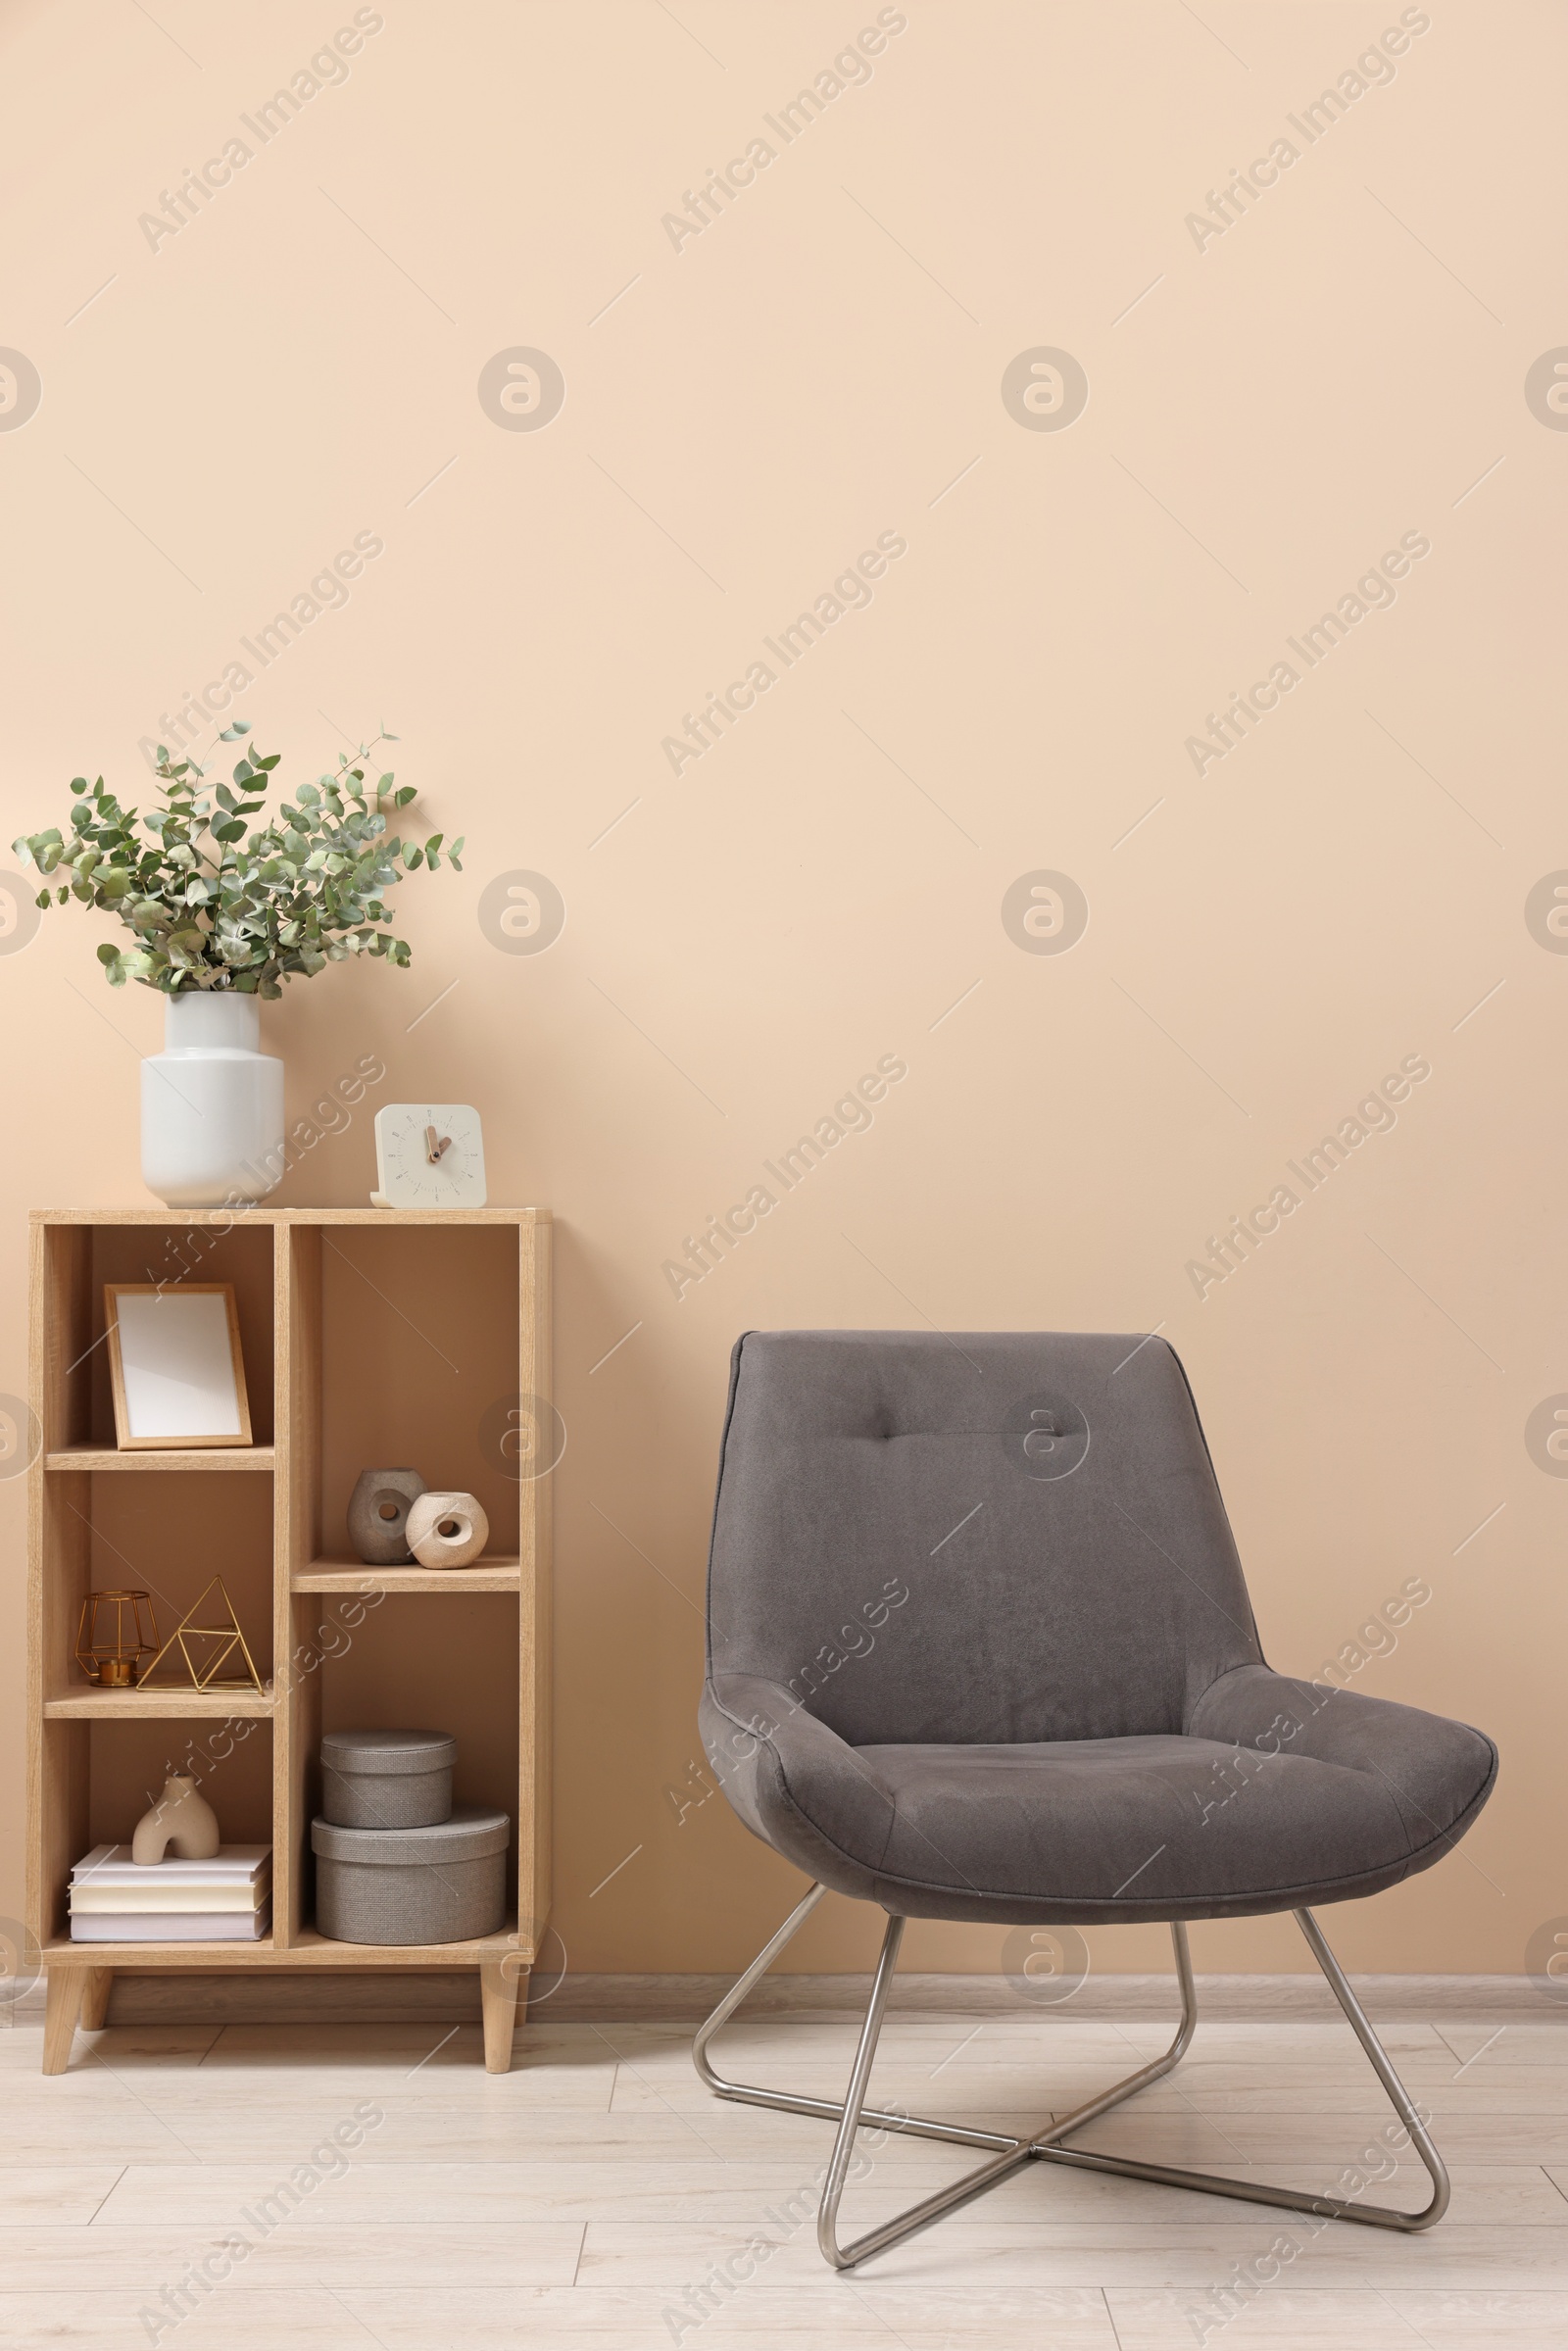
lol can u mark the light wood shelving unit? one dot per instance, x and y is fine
(370, 1337)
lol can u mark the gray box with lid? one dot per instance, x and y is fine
(443, 1883)
(386, 1778)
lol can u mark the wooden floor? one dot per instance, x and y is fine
(587, 2197)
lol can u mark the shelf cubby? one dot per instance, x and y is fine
(370, 1338)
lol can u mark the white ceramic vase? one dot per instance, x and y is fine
(211, 1106)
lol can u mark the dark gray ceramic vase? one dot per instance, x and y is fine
(378, 1515)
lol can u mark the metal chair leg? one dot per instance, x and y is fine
(852, 2114)
(1326, 2207)
(828, 2109)
(1015, 2152)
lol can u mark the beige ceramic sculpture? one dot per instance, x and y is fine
(447, 1530)
(180, 1818)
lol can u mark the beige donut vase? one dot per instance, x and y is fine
(180, 1818)
(447, 1530)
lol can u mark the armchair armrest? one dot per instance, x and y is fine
(1435, 1770)
(795, 1783)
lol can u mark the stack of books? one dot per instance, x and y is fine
(227, 1899)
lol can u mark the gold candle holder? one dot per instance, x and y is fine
(113, 1659)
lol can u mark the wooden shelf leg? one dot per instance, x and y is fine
(501, 1982)
(63, 2006)
(95, 1989)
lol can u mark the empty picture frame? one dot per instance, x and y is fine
(175, 1364)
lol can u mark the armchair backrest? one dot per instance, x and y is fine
(973, 1538)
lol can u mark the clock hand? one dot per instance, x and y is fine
(435, 1144)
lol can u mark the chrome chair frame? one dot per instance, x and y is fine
(1008, 2153)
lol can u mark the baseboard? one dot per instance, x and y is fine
(417, 1997)
(257, 1996)
(689, 1998)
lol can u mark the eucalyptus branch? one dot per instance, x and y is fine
(215, 904)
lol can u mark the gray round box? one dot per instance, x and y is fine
(440, 1885)
(386, 1778)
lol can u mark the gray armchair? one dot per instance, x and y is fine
(980, 1647)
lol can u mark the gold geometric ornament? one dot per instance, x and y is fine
(203, 1668)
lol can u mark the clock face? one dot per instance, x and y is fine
(430, 1156)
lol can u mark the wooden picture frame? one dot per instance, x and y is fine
(172, 1357)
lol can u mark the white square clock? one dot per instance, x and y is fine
(428, 1155)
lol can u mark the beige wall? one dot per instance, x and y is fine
(1268, 413)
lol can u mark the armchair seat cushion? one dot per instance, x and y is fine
(1282, 1793)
